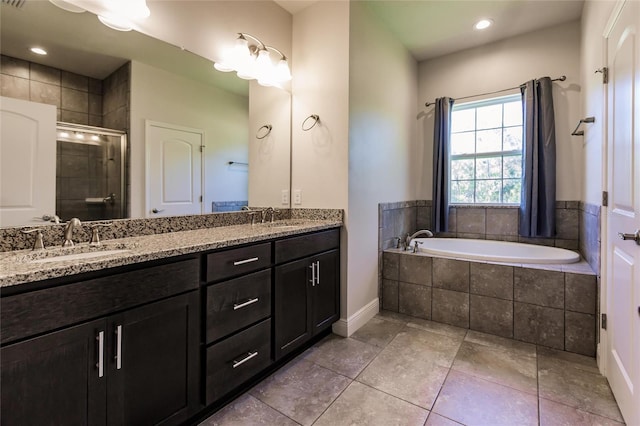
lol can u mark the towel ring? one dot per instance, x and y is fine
(316, 119)
(266, 126)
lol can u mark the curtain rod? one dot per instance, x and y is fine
(561, 78)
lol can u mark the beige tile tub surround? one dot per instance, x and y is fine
(541, 304)
(577, 226)
(423, 370)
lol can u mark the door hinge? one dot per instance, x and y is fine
(201, 198)
(605, 74)
(201, 148)
(603, 321)
(605, 198)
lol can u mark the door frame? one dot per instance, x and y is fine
(602, 352)
(147, 161)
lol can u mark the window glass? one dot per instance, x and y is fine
(486, 151)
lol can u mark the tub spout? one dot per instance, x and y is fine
(426, 232)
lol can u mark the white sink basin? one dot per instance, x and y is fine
(283, 224)
(78, 256)
(78, 252)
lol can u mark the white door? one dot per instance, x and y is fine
(174, 170)
(27, 161)
(623, 215)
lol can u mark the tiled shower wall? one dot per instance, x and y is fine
(78, 98)
(590, 234)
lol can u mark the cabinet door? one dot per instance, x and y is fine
(292, 301)
(326, 291)
(154, 362)
(54, 379)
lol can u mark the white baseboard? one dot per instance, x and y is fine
(346, 327)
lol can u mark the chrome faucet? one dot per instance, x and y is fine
(267, 211)
(408, 238)
(68, 231)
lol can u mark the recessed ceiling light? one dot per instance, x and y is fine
(38, 50)
(482, 24)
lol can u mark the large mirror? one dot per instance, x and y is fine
(156, 93)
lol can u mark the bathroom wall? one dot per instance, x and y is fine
(158, 95)
(553, 52)
(320, 85)
(78, 98)
(382, 142)
(595, 15)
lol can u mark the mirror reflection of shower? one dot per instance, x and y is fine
(90, 172)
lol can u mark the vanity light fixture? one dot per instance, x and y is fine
(67, 6)
(253, 62)
(79, 135)
(120, 14)
(38, 50)
(483, 24)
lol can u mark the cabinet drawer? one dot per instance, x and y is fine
(238, 261)
(236, 359)
(234, 304)
(306, 245)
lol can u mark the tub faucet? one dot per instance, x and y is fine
(426, 232)
(68, 231)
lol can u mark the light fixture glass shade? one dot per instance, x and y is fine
(120, 14)
(116, 22)
(222, 66)
(67, 6)
(283, 73)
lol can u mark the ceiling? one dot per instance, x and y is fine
(428, 28)
(432, 28)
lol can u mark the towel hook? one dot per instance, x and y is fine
(266, 126)
(314, 117)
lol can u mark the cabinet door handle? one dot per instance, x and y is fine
(242, 262)
(100, 364)
(237, 306)
(245, 359)
(318, 272)
(119, 347)
(313, 273)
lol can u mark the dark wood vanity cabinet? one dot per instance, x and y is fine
(135, 366)
(156, 343)
(306, 291)
(237, 318)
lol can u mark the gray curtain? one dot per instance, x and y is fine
(441, 136)
(538, 200)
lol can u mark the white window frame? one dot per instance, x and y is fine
(474, 156)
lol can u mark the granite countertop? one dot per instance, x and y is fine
(24, 266)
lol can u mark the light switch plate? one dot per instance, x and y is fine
(285, 197)
(297, 196)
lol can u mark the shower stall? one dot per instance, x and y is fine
(90, 172)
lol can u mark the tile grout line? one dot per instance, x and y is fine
(538, 387)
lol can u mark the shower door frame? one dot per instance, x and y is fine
(124, 154)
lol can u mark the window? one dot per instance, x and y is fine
(486, 152)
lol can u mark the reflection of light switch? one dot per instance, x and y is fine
(297, 196)
(285, 196)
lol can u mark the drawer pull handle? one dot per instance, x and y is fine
(237, 306)
(313, 273)
(119, 347)
(245, 359)
(242, 262)
(100, 364)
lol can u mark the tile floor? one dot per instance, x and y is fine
(399, 370)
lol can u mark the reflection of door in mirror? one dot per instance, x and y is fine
(174, 169)
(27, 166)
(90, 166)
